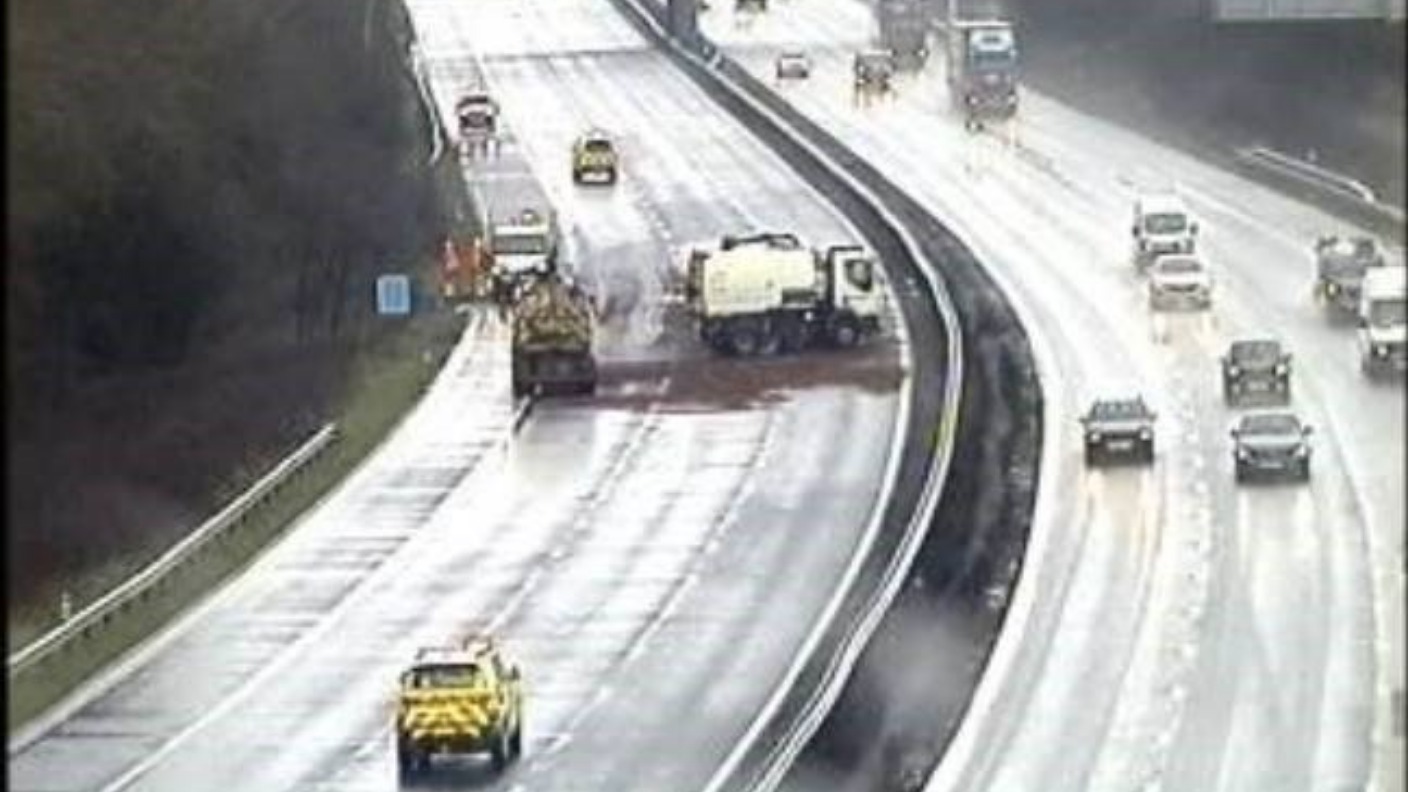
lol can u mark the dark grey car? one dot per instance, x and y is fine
(1256, 368)
(1271, 444)
(1119, 429)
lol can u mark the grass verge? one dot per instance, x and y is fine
(388, 379)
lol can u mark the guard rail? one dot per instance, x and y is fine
(89, 621)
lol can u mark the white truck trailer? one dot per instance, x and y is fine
(766, 293)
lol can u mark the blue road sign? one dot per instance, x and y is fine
(393, 295)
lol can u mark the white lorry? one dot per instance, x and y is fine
(766, 293)
(522, 245)
(1383, 323)
(1162, 224)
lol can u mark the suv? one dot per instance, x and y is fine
(1258, 366)
(1179, 279)
(1340, 266)
(1162, 224)
(1271, 443)
(1119, 428)
(793, 65)
(466, 699)
(594, 155)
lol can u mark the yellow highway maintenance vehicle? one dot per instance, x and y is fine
(459, 700)
(594, 157)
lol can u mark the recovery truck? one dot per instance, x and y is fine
(766, 293)
(1340, 266)
(904, 30)
(981, 61)
(552, 328)
(522, 245)
(1383, 321)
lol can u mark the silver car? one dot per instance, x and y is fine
(1273, 444)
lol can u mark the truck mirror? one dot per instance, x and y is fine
(1193, 227)
(1307, 430)
(1233, 433)
(1134, 230)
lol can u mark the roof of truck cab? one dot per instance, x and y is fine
(1156, 203)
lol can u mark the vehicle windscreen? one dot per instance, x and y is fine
(444, 675)
(1256, 351)
(1119, 411)
(521, 244)
(1179, 266)
(1277, 424)
(1388, 313)
(992, 60)
(1165, 223)
(597, 146)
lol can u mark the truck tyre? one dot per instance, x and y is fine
(1241, 473)
(1303, 471)
(743, 338)
(1092, 456)
(792, 334)
(769, 342)
(844, 333)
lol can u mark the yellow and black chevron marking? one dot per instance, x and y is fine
(447, 715)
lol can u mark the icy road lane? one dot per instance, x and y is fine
(654, 556)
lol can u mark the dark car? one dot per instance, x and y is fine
(1271, 444)
(1258, 367)
(1119, 429)
(1340, 264)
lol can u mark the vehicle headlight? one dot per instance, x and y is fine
(1381, 350)
(1233, 370)
(1302, 451)
(1242, 453)
(1280, 369)
(1145, 434)
(1092, 437)
(1332, 287)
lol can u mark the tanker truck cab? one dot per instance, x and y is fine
(1383, 321)
(853, 289)
(1162, 224)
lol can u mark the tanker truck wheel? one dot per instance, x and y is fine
(792, 334)
(844, 333)
(769, 341)
(743, 338)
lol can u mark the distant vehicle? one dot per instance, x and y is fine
(1259, 367)
(553, 325)
(793, 65)
(459, 700)
(1119, 429)
(594, 157)
(1271, 444)
(478, 116)
(904, 30)
(981, 57)
(521, 245)
(1180, 280)
(873, 71)
(755, 6)
(1162, 224)
(1383, 324)
(762, 294)
(1340, 265)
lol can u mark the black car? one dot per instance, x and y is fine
(1271, 444)
(1119, 429)
(1259, 367)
